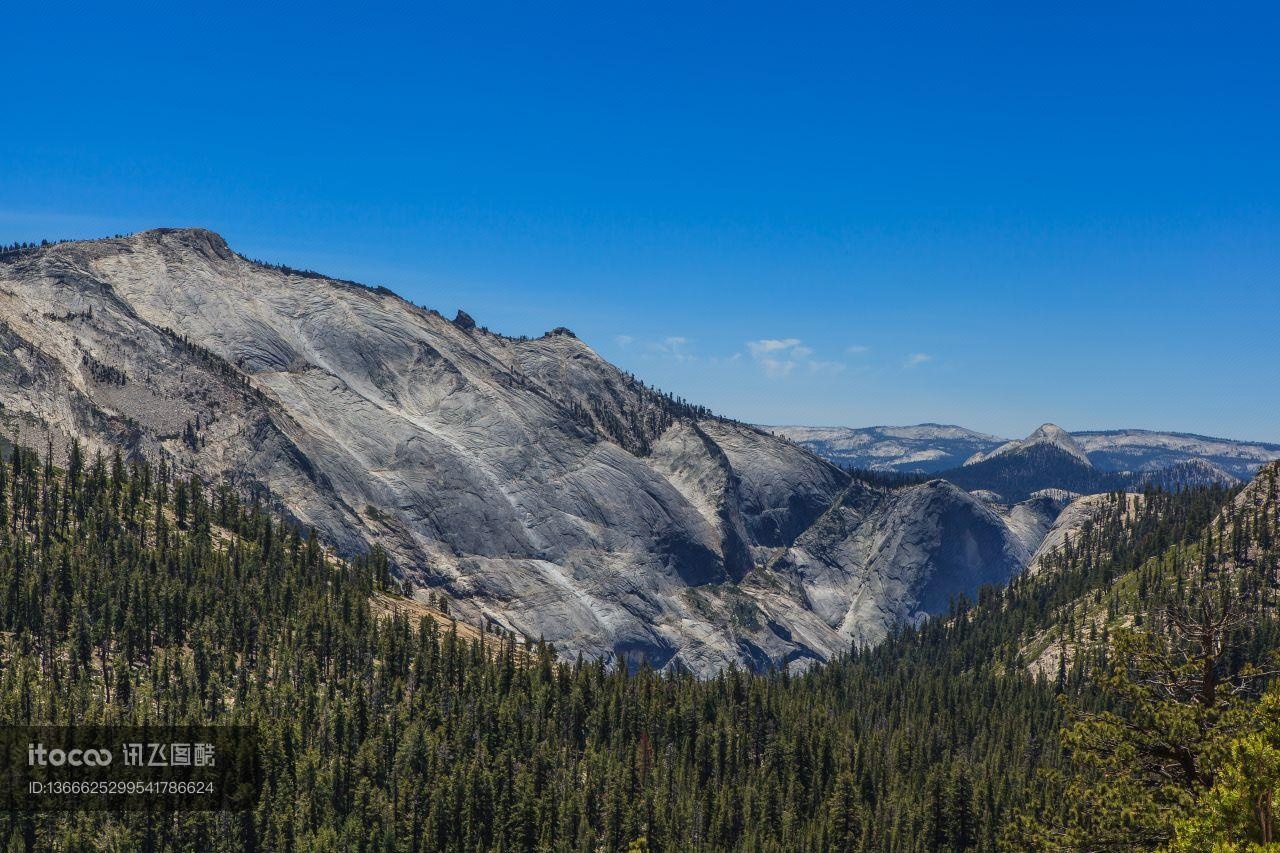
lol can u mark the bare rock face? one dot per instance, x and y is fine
(879, 557)
(537, 485)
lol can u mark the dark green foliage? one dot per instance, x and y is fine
(213, 361)
(1166, 704)
(889, 479)
(1014, 476)
(634, 427)
(101, 372)
(16, 250)
(128, 596)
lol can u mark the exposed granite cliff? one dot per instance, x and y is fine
(541, 487)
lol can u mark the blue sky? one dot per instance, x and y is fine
(790, 212)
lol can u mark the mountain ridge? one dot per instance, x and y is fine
(538, 486)
(1047, 434)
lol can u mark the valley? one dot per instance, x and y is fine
(531, 602)
(534, 484)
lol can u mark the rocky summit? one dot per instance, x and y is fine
(1047, 435)
(539, 487)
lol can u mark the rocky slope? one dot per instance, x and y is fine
(538, 486)
(916, 549)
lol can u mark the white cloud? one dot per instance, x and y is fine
(770, 345)
(624, 340)
(857, 349)
(780, 357)
(917, 358)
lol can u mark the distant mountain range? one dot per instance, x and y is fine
(924, 448)
(933, 448)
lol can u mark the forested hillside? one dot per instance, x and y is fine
(131, 596)
(1016, 476)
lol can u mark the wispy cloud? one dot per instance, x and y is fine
(671, 348)
(674, 347)
(916, 359)
(857, 349)
(777, 356)
(781, 357)
(774, 345)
